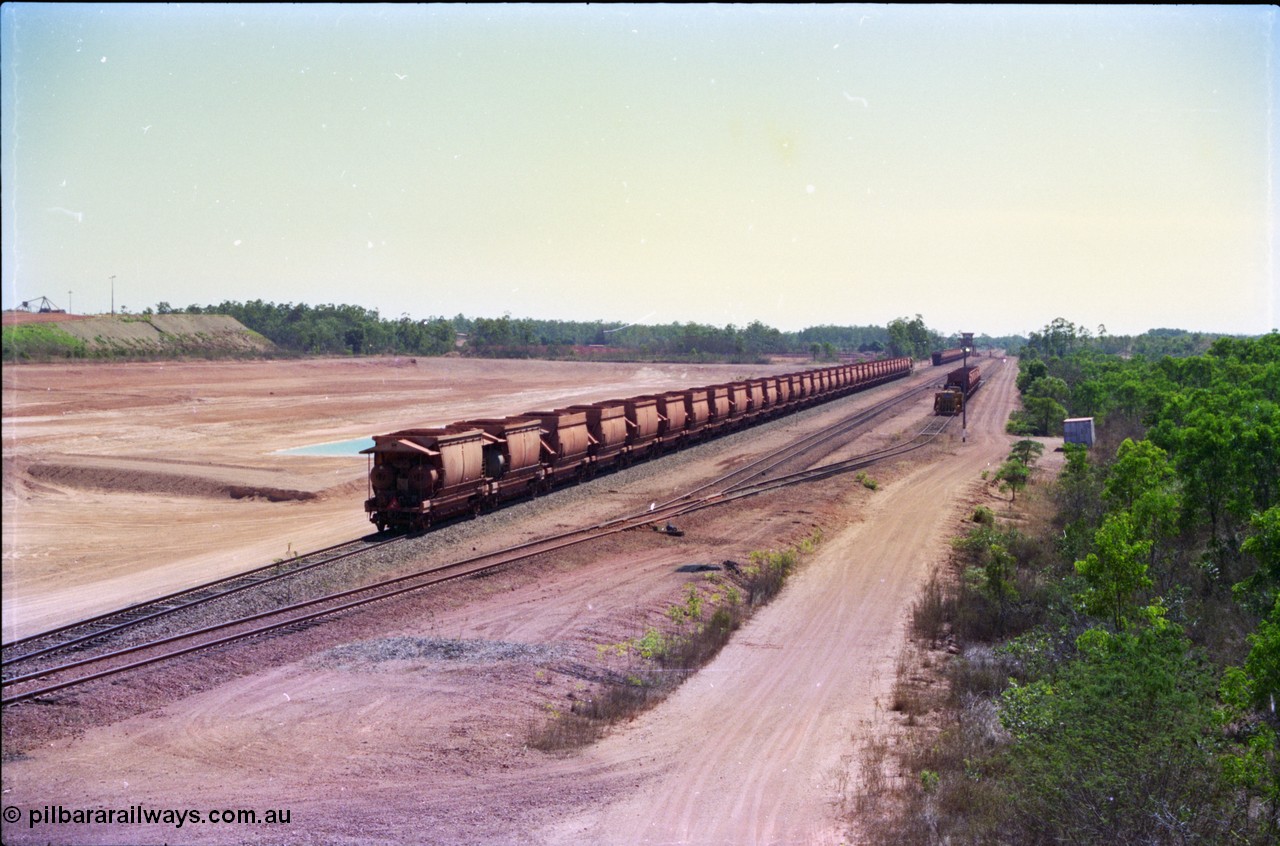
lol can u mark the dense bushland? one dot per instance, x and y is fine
(1119, 663)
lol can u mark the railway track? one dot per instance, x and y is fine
(28, 677)
(86, 633)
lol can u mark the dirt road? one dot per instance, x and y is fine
(756, 748)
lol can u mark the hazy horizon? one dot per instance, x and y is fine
(989, 168)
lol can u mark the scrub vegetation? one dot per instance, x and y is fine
(1114, 645)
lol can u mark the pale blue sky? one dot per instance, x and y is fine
(989, 168)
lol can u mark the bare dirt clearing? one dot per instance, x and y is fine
(124, 481)
(410, 724)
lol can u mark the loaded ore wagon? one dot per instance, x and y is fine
(422, 475)
(512, 455)
(566, 443)
(698, 408)
(644, 424)
(607, 423)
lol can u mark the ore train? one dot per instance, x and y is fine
(960, 386)
(942, 357)
(421, 476)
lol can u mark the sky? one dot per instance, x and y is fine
(988, 168)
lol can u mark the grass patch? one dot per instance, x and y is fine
(659, 660)
(40, 342)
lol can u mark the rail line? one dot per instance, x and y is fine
(736, 484)
(94, 629)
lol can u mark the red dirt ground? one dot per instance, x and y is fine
(365, 742)
(18, 318)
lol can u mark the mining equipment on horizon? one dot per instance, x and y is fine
(42, 305)
(421, 476)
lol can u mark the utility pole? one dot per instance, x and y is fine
(113, 293)
(966, 341)
(69, 311)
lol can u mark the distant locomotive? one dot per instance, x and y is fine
(421, 476)
(960, 386)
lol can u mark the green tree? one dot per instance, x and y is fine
(1142, 482)
(1049, 386)
(1044, 415)
(999, 582)
(1140, 467)
(1013, 476)
(1259, 589)
(911, 337)
(1116, 574)
(1027, 451)
(1078, 492)
(1029, 370)
(1262, 666)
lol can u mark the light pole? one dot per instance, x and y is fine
(966, 341)
(69, 311)
(113, 293)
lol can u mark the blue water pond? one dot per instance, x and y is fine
(334, 448)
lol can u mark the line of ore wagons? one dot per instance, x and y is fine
(419, 476)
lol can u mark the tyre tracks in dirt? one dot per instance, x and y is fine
(756, 746)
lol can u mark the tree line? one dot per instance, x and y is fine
(513, 336)
(333, 329)
(347, 329)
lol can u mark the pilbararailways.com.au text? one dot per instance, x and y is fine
(142, 815)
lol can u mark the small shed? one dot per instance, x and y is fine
(1078, 430)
